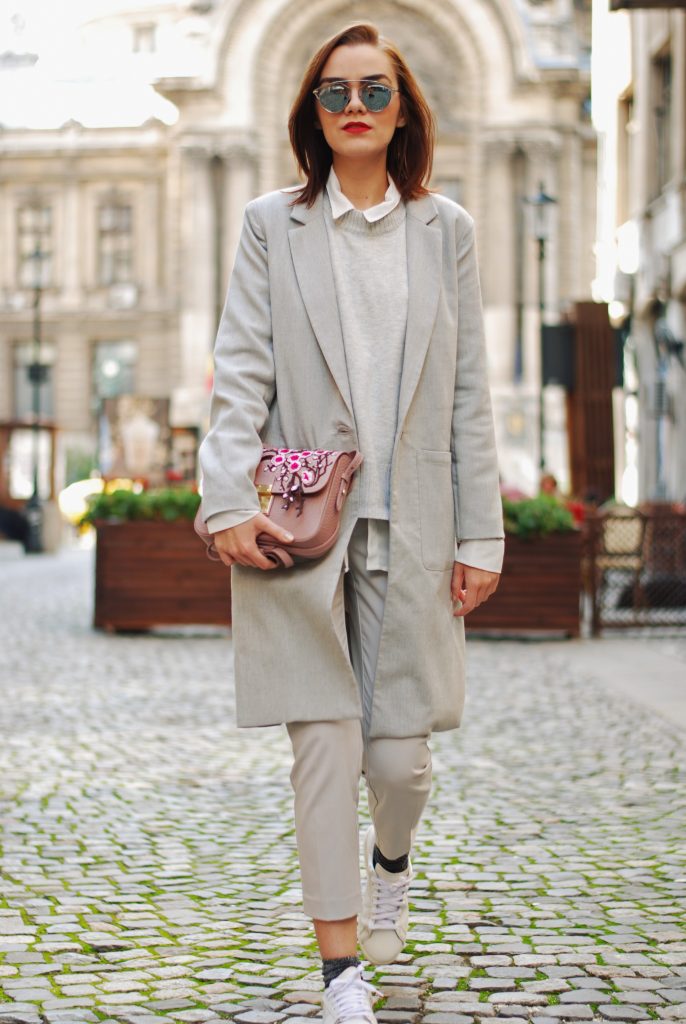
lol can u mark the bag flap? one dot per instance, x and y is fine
(296, 469)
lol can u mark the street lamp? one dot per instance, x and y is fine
(541, 205)
(37, 374)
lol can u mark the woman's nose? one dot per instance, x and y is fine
(355, 103)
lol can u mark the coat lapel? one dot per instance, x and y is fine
(312, 260)
(424, 253)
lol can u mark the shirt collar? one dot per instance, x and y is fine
(340, 203)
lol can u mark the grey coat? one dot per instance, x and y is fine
(280, 378)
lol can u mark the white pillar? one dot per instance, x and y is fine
(196, 269)
(240, 188)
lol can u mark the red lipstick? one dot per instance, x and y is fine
(356, 127)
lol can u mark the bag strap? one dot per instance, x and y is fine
(347, 476)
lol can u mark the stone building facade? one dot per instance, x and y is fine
(640, 113)
(141, 221)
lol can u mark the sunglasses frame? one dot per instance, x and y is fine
(349, 82)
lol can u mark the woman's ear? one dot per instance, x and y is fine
(402, 119)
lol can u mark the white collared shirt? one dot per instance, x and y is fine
(340, 203)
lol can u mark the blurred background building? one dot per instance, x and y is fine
(133, 134)
(639, 108)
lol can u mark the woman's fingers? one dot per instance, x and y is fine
(238, 544)
(472, 587)
(457, 582)
(265, 525)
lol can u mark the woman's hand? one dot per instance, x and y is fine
(239, 544)
(471, 586)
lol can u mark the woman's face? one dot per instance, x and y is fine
(350, 64)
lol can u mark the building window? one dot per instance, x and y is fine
(114, 368)
(34, 245)
(115, 243)
(144, 38)
(626, 146)
(662, 113)
(450, 187)
(33, 388)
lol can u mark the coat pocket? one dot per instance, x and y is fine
(436, 509)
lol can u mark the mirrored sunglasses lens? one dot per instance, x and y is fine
(376, 97)
(334, 99)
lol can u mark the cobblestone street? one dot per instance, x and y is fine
(149, 870)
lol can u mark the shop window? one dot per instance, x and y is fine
(114, 368)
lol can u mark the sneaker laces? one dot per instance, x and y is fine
(350, 997)
(388, 899)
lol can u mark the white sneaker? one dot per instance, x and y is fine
(384, 919)
(349, 998)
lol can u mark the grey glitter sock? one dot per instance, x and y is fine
(332, 968)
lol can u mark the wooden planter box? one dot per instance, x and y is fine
(539, 591)
(157, 574)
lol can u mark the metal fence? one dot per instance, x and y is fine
(635, 568)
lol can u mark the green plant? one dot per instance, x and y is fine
(164, 504)
(536, 517)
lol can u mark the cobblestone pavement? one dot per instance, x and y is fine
(149, 870)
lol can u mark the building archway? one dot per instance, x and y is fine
(467, 59)
(508, 115)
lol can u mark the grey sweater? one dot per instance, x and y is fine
(370, 273)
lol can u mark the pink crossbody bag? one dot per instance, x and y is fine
(302, 491)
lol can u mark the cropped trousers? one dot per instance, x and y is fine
(329, 758)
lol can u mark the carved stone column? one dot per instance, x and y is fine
(240, 178)
(499, 255)
(195, 271)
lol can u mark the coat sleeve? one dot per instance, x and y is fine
(244, 381)
(478, 507)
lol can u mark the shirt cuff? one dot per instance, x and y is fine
(226, 520)
(485, 553)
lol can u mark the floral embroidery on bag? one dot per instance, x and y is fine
(296, 468)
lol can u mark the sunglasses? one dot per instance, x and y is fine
(335, 96)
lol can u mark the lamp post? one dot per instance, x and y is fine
(541, 205)
(37, 374)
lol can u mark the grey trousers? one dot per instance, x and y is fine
(329, 758)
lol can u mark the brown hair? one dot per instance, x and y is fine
(410, 151)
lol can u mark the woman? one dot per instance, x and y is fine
(353, 321)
